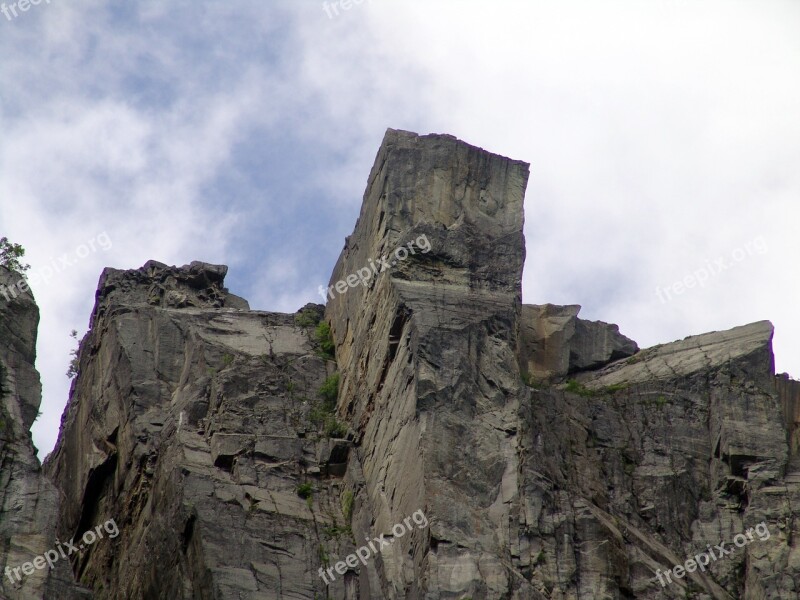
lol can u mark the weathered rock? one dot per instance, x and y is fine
(596, 344)
(646, 462)
(698, 353)
(207, 431)
(789, 393)
(28, 501)
(429, 375)
(545, 332)
(555, 342)
(190, 424)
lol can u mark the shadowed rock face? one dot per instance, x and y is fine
(646, 462)
(28, 502)
(190, 424)
(500, 450)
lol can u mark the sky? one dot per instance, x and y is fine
(663, 138)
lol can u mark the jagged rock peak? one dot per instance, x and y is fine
(198, 284)
(247, 454)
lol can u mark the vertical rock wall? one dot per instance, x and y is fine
(480, 448)
(191, 424)
(28, 501)
(429, 370)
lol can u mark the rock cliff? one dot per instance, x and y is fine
(423, 435)
(28, 501)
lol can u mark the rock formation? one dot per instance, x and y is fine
(192, 424)
(28, 501)
(424, 435)
(555, 342)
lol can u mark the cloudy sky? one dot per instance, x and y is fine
(663, 137)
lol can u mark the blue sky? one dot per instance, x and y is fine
(661, 136)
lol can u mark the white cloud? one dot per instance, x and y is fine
(659, 135)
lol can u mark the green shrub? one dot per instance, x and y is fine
(330, 389)
(532, 382)
(576, 387)
(347, 505)
(617, 387)
(325, 339)
(305, 490)
(323, 414)
(335, 531)
(74, 362)
(335, 429)
(307, 318)
(318, 414)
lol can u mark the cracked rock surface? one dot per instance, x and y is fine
(28, 501)
(190, 423)
(496, 450)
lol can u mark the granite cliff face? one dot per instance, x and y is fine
(28, 501)
(465, 444)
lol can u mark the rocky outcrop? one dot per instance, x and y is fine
(28, 501)
(555, 342)
(429, 376)
(477, 447)
(789, 393)
(642, 464)
(590, 488)
(194, 424)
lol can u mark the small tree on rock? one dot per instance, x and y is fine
(10, 255)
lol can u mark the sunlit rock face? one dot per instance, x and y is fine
(427, 350)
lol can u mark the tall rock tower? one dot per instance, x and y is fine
(424, 436)
(427, 351)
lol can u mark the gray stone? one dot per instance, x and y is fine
(190, 425)
(427, 352)
(596, 344)
(199, 426)
(555, 342)
(28, 501)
